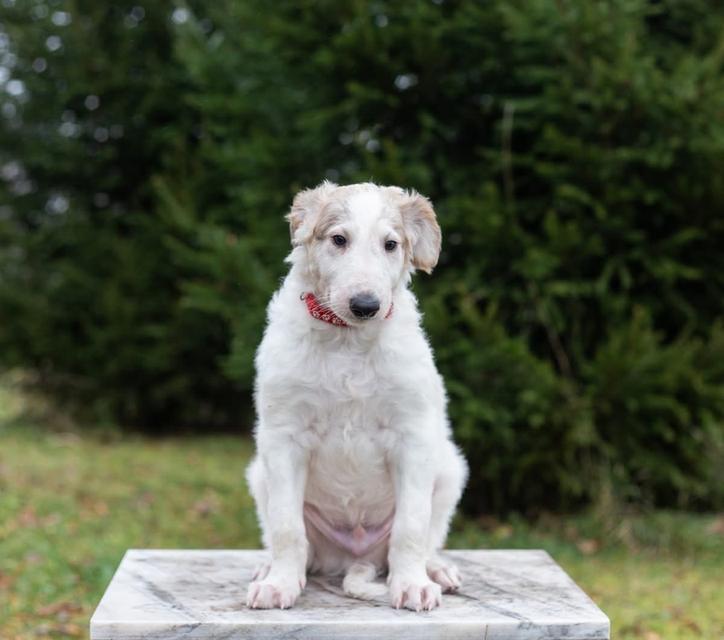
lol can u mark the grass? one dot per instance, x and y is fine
(70, 505)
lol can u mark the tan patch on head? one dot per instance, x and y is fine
(330, 215)
(306, 209)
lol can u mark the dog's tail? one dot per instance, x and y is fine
(359, 582)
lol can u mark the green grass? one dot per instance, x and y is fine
(71, 505)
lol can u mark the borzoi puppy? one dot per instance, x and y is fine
(355, 471)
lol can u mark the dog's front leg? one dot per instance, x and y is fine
(285, 472)
(409, 583)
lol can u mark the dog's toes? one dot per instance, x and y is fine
(252, 594)
(413, 598)
(431, 596)
(448, 578)
(446, 575)
(263, 596)
(271, 594)
(416, 595)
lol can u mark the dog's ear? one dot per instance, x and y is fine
(305, 209)
(421, 229)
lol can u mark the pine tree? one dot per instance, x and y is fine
(573, 152)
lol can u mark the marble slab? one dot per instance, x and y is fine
(506, 595)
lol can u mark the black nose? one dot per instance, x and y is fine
(364, 305)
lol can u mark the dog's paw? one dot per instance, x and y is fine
(415, 593)
(445, 574)
(280, 592)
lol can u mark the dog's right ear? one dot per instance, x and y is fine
(305, 210)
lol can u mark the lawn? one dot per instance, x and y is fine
(71, 504)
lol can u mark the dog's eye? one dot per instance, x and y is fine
(340, 241)
(390, 245)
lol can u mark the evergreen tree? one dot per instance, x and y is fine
(90, 297)
(573, 152)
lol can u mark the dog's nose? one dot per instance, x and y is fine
(364, 305)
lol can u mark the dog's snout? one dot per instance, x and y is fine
(364, 305)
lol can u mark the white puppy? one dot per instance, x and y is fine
(355, 472)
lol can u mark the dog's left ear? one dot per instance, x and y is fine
(304, 211)
(422, 230)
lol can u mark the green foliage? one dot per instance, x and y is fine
(89, 291)
(574, 152)
(657, 408)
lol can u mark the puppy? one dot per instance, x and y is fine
(355, 473)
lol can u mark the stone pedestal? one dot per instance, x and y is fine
(506, 595)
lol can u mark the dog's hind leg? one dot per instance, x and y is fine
(257, 488)
(359, 582)
(447, 490)
(446, 493)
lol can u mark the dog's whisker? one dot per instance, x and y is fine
(337, 308)
(324, 300)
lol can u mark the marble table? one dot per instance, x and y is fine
(506, 595)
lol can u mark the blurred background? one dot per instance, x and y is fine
(574, 152)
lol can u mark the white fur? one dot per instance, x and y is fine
(352, 420)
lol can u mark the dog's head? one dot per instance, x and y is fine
(359, 243)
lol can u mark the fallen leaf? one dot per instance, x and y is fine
(58, 607)
(207, 505)
(692, 625)
(145, 500)
(66, 438)
(503, 532)
(588, 547)
(488, 523)
(27, 517)
(5, 581)
(717, 526)
(94, 507)
(65, 630)
(70, 629)
(51, 520)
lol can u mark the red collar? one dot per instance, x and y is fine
(316, 310)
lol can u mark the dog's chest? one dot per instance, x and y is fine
(349, 478)
(352, 436)
(344, 391)
(345, 400)
(350, 381)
